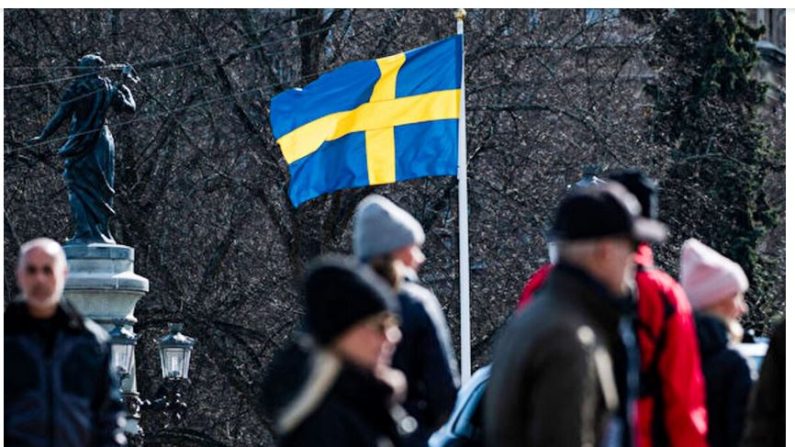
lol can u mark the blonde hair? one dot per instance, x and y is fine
(387, 268)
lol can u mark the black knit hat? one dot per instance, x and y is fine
(341, 292)
(642, 187)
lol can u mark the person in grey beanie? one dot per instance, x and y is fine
(389, 239)
(332, 385)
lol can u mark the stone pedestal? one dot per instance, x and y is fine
(103, 286)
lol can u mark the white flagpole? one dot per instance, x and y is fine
(463, 216)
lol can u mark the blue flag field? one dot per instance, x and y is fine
(372, 122)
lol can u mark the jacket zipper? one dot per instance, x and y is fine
(50, 394)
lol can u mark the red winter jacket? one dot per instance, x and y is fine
(667, 337)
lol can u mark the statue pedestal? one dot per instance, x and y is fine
(103, 286)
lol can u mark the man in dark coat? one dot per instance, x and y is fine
(565, 370)
(390, 239)
(672, 402)
(332, 386)
(59, 386)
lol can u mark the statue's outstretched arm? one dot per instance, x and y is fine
(124, 101)
(55, 122)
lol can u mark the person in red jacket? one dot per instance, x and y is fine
(671, 409)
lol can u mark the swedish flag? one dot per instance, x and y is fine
(373, 122)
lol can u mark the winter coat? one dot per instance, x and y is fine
(553, 380)
(59, 386)
(765, 426)
(426, 357)
(672, 406)
(728, 381)
(316, 399)
(671, 410)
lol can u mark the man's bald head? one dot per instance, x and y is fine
(41, 275)
(45, 244)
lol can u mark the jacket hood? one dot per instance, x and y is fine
(713, 335)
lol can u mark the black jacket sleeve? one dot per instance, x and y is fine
(431, 306)
(436, 373)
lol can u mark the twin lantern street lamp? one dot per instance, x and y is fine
(175, 351)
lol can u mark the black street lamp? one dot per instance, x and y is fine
(123, 341)
(175, 351)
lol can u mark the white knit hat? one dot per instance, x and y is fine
(707, 276)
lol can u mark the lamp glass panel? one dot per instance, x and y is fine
(186, 364)
(121, 356)
(172, 362)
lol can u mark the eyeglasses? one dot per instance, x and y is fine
(382, 323)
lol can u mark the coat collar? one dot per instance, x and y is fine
(18, 319)
(575, 285)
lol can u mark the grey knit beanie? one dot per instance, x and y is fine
(381, 227)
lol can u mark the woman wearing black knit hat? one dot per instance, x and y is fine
(332, 386)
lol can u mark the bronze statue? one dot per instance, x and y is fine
(89, 152)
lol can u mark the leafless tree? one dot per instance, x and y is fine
(201, 184)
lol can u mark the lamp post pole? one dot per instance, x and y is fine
(103, 286)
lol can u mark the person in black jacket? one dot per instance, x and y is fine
(59, 386)
(715, 286)
(766, 423)
(389, 239)
(332, 386)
